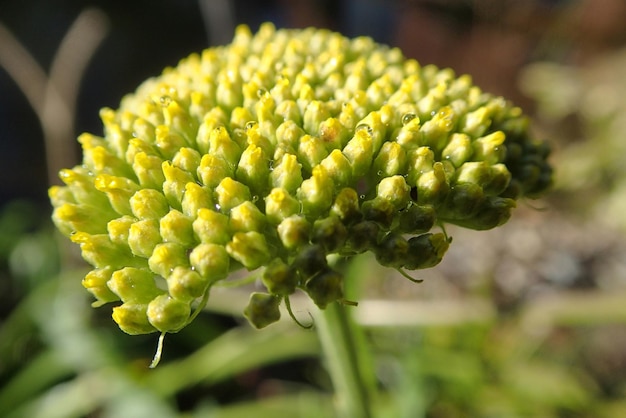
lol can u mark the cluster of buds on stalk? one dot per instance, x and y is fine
(277, 151)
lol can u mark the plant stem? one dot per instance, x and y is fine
(335, 330)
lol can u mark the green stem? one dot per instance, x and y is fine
(335, 330)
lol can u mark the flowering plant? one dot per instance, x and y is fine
(276, 151)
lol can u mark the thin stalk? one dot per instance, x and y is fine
(335, 331)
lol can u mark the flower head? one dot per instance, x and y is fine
(276, 151)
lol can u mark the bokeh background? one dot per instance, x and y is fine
(528, 320)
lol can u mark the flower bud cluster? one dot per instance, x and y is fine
(276, 151)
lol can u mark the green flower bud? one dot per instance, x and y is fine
(262, 309)
(346, 206)
(314, 114)
(459, 149)
(311, 152)
(119, 191)
(246, 217)
(287, 174)
(395, 191)
(166, 257)
(96, 283)
(175, 183)
(168, 142)
(177, 227)
(493, 212)
(294, 232)
(231, 193)
(213, 169)
(167, 314)
(280, 278)
(379, 210)
(99, 251)
(426, 250)
(310, 260)
(253, 169)
(410, 136)
(360, 151)
(98, 158)
(330, 233)
(149, 204)
(417, 219)
(196, 197)
(211, 261)
(212, 227)
(494, 179)
(392, 251)
(59, 196)
(363, 236)
(143, 237)
(490, 147)
(391, 160)
(185, 284)
(148, 170)
(437, 129)
(279, 204)
(338, 168)
(132, 318)
(72, 217)
(81, 185)
(250, 249)
(316, 192)
(215, 118)
(421, 161)
(325, 287)
(286, 146)
(432, 187)
(333, 134)
(289, 132)
(187, 159)
(499, 180)
(133, 285)
(463, 202)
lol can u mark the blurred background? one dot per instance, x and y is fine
(527, 320)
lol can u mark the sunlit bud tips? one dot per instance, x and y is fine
(211, 227)
(286, 150)
(96, 283)
(211, 261)
(250, 249)
(148, 204)
(231, 193)
(346, 206)
(294, 232)
(262, 310)
(395, 191)
(133, 318)
(166, 257)
(279, 205)
(316, 193)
